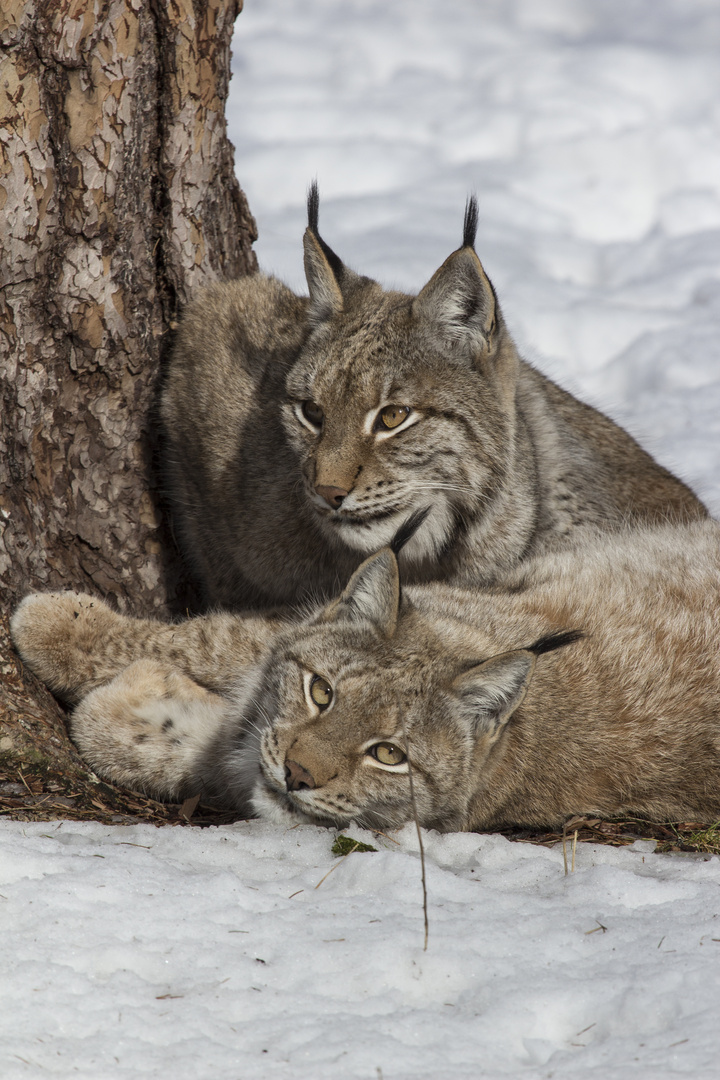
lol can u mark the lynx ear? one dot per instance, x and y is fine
(458, 301)
(326, 299)
(491, 692)
(323, 269)
(372, 595)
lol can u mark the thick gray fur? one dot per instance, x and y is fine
(272, 508)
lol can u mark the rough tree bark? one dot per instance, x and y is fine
(117, 200)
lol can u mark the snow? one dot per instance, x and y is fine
(590, 133)
(182, 952)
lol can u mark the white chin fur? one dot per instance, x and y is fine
(275, 809)
(427, 542)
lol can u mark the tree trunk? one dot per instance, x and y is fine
(117, 201)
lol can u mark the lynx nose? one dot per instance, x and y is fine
(296, 777)
(333, 496)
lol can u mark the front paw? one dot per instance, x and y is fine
(59, 635)
(149, 728)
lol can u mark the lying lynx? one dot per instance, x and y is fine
(301, 432)
(591, 685)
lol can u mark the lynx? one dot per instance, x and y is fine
(300, 433)
(589, 685)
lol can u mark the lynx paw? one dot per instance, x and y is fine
(148, 728)
(60, 636)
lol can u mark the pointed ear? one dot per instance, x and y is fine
(372, 595)
(459, 304)
(321, 272)
(491, 692)
(324, 271)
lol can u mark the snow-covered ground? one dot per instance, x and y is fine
(218, 954)
(591, 134)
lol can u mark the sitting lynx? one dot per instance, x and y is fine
(301, 432)
(590, 686)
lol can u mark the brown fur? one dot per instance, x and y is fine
(625, 720)
(272, 508)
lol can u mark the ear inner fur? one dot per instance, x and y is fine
(458, 303)
(372, 595)
(326, 299)
(493, 690)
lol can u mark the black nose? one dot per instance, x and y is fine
(333, 496)
(296, 777)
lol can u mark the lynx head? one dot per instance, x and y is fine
(363, 687)
(398, 402)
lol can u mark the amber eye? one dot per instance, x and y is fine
(387, 753)
(320, 691)
(392, 416)
(313, 413)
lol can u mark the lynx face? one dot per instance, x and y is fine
(335, 750)
(367, 694)
(385, 422)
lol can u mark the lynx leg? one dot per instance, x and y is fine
(147, 728)
(76, 643)
(72, 641)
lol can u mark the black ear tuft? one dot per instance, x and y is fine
(407, 530)
(555, 641)
(471, 222)
(313, 207)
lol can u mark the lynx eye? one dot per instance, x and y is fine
(320, 691)
(387, 753)
(392, 416)
(312, 412)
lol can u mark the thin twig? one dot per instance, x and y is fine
(25, 782)
(574, 848)
(377, 832)
(417, 826)
(355, 845)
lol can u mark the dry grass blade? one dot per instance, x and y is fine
(353, 848)
(377, 832)
(572, 822)
(419, 833)
(669, 836)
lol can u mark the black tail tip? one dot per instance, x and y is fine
(555, 641)
(407, 530)
(470, 223)
(313, 207)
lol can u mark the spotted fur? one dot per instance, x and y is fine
(588, 684)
